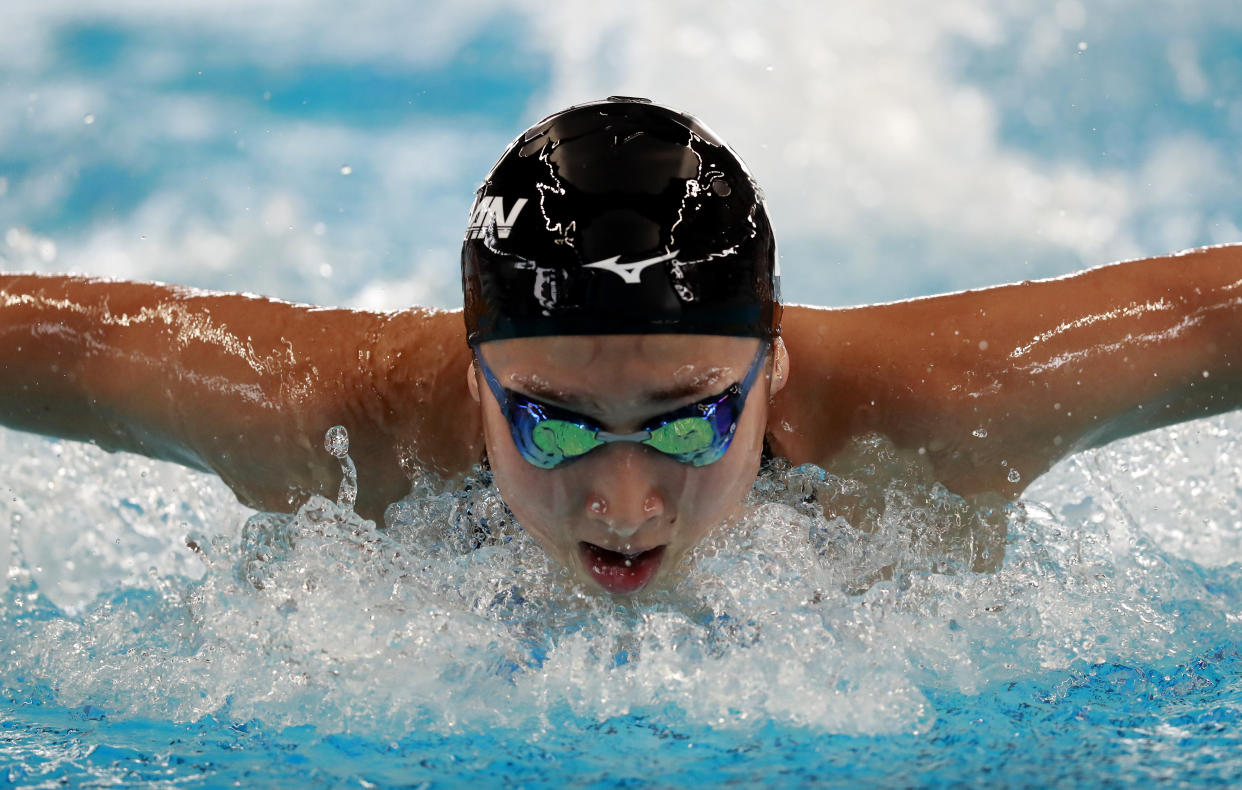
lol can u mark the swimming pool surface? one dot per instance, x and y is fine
(799, 649)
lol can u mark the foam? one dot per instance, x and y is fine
(836, 603)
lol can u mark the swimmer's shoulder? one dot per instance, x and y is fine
(414, 389)
(833, 356)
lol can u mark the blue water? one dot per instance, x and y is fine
(799, 649)
(839, 635)
(1108, 725)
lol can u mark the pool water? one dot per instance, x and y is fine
(837, 635)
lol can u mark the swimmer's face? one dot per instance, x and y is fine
(623, 515)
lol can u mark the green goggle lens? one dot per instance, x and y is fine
(559, 439)
(562, 439)
(682, 437)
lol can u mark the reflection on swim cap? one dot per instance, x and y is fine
(619, 217)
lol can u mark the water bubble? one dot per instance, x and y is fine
(336, 441)
(346, 170)
(979, 433)
(88, 119)
(1014, 477)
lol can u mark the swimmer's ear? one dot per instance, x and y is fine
(472, 381)
(780, 367)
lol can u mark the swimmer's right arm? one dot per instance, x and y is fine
(995, 386)
(238, 385)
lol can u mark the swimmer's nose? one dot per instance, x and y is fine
(624, 501)
(628, 516)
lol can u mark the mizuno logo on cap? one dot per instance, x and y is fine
(629, 272)
(491, 210)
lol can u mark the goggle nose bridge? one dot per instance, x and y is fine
(609, 436)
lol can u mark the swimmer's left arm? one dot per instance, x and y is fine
(995, 386)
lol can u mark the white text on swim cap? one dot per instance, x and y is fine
(489, 210)
(630, 272)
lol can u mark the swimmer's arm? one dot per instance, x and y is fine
(241, 386)
(995, 386)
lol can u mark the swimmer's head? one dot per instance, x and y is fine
(621, 298)
(619, 217)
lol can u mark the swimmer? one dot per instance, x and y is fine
(623, 359)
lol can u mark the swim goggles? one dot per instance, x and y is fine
(548, 436)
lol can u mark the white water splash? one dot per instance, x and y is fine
(837, 601)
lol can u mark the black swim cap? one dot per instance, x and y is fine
(619, 217)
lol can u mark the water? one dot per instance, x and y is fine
(840, 634)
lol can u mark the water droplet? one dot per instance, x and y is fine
(979, 433)
(346, 170)
(1206, 374)
(336, 441)
(1014, 477)
(88, 119)
(983, 345)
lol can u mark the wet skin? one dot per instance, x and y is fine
(980, 383)
(626, 499)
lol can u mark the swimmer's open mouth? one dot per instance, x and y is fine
(617, 572)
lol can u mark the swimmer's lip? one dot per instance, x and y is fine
(629, 549)
(620, 573)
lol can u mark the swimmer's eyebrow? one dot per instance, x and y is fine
(701, 387)
(540, 391)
